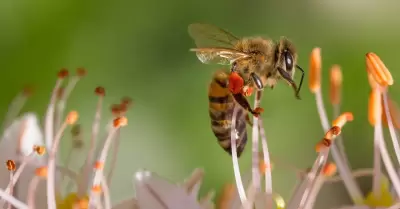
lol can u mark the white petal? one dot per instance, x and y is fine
(153, 192)
(193, 183)
(127, 204)
(28, 126)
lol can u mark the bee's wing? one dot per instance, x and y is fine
(206, 35)
(222, 56)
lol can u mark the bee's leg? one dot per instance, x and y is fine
(248, 120)
(287, 77)
(242, 101)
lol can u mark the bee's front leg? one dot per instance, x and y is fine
(242, 101)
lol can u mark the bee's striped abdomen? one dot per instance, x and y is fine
(221, 105)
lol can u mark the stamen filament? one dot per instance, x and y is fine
(375, 112)
(118, 122)
(343, 168)
(236, 170)
(256, 178)
(32, 191)
(84, 183)
(268, 174)
(392, 130)
(14, 201)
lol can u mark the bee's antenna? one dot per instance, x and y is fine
(302, 77)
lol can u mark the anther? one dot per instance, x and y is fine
(372, 82)
(116, 109)
(98, 165)
(10, 165)
(82, 203)
(28, 90)
(120, 122)
(315, 70)
(63, 73)
(72, 117)
(343, 119)
(81, 72)
(40, 150)
(42, 171)
(329, 169)
(100, 91)
(265, 167)
(374, 106)
(335, 84)
(378, 70)
(96, 188)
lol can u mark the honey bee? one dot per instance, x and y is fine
(221, 106)
(259, 62)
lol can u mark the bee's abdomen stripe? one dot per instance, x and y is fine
(219, 100)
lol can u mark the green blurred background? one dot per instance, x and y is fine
(140, 49)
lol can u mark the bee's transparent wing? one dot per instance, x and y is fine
(206, 35)
(222, 56)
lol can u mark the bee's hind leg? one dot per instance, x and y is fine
(248, 120)
(242, 101)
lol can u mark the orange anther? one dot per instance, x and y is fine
(329, 169)
(82, 203)
(343, 119)
(96, 188)
(63, 73)
(98, 165)
(315, 70)
(328, 138)
(265, 167)
(126, 101)
(10, 165)
(28, 90)
(40, 150)
(228, 190)
(335, 84)
(236, 83)
(371, 80)
(42, 171)
(378, 70)
(80, 71)
(394, 113)
(72, 117)
(116, 109)
(120, 121)
(374, 106)
(100, 91)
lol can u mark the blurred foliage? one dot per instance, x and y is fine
(140, 49)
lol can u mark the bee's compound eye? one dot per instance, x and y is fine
(288, 61)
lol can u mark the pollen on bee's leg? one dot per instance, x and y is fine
(236, 83)
(247, 91)
(315, 70)
(378, 70)
(11, 165)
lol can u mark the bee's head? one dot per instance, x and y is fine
(286, 56)
(286, 62)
